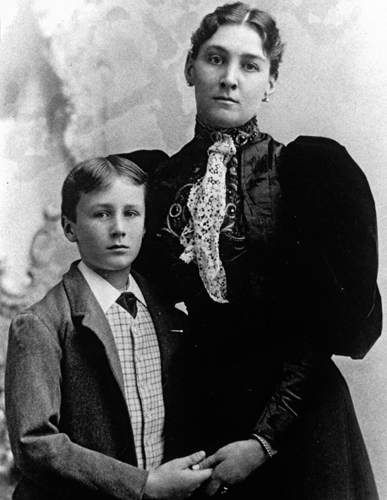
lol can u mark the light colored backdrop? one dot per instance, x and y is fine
(84, 78)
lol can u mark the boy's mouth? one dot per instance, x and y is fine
(118, 247)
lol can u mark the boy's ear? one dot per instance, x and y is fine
(69, 229)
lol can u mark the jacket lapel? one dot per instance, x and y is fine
(85, 307)
(169, 325)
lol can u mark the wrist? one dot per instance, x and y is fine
(267, 448)
(150, 487)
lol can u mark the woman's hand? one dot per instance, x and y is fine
(232, 464)
(175, 479)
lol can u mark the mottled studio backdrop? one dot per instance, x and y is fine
(80, 78)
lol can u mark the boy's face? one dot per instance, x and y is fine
(109, 229)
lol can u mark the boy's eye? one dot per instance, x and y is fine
(101, 215)
(215, 59)
(131, 213)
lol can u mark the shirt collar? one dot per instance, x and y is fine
(105, 293)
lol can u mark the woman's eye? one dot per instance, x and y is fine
(216, 59)
(251, 67)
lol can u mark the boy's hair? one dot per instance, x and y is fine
(94, 175)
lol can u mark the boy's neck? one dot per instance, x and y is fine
(119, 279)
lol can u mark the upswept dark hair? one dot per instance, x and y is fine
(240, 13)
(94, 175)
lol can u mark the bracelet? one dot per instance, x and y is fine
(263, 443)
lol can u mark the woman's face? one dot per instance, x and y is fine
(231, 75)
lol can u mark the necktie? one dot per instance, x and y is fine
(129, 302)
(207, 205)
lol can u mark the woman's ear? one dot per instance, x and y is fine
(271, 85)
(189, 70)
(69, 229)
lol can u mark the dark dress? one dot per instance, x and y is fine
(299, 247)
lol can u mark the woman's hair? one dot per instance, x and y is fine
(240, 13)
(95, 175)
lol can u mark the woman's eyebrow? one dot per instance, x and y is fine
(246, 55)
(254, 56)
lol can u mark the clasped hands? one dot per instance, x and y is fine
(231, 464)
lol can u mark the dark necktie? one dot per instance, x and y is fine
(129, 302)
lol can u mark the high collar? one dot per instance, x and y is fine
(206, 135)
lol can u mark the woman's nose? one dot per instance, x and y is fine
(229, 78)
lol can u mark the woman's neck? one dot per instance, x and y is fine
(241, 135)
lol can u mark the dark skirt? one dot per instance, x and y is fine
(324, 457)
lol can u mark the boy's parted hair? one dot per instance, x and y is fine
(94, 175)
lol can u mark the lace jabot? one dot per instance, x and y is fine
(206, 135)
(207, 206)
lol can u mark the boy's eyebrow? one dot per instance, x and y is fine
(109, 205)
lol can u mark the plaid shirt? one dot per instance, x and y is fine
(139, 353)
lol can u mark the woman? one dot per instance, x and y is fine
(273, 250)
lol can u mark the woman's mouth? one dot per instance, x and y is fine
(225, 99)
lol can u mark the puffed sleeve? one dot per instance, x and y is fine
(330, 201)
(334, 259)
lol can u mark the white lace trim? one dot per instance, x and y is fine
(207, 205)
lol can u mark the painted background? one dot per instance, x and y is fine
(84, 78)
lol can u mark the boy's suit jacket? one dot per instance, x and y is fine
(68, 420)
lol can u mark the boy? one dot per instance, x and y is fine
(88, 391)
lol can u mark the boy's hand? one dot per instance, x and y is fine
(175, 479)
(232, 464)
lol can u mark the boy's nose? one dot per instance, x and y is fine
(118, 227)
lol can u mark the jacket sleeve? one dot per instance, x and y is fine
(337, 309)
(45, 456)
